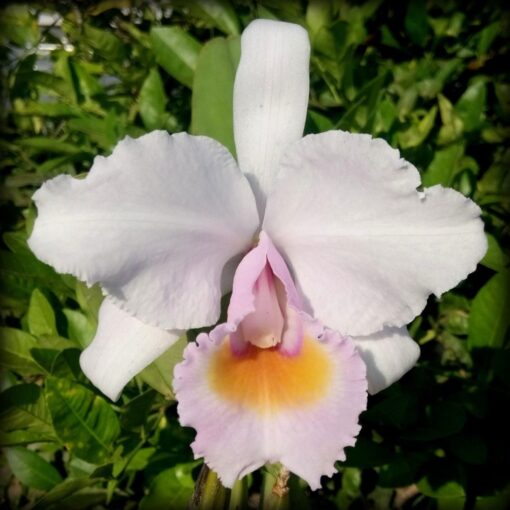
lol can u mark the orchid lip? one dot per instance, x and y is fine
(265, 306)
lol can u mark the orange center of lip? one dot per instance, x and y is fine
(266, 381)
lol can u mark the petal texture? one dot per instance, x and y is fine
(123, 347)
(366, 248)
(270, 98)
(388, 355)
(154, 223)
(301, 411)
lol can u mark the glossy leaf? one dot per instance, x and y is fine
(80, 328)
(213, 91)
(19, 25)
(31, 469)
(152, 101)
(176, 52)
(41, 317)
(57, 497)
(472, 105)
(83, 421)
(489, 320)
(15, 348)
(23, 407)
(159, 374)
(107, 44)
(495, 258)
(444, 167)
(219, 13)
(172, 488)
(416, 134)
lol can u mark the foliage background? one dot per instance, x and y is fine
(431, 77)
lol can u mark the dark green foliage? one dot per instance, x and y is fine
(430, 77)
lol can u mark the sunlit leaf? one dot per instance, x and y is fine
(159, 374)
(213, 91)
(23, 408)
(444, 166)
(176, 52)
(152, 101)
(420, 129)
(40, 316)
(15, 348)
(472, 105)
(83, 421)
(219, 13)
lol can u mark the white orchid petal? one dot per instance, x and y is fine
(388, 355)
(154, 223)
(365, 247)
(270, 98)
(123, 347)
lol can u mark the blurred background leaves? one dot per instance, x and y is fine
(431, 77)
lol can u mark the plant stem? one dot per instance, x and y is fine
(209, 493)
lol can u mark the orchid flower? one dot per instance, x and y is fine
(326, 242)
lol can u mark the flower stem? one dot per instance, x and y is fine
(239, 495)
(209, 493)
(275, 490)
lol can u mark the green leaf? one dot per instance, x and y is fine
(416, 22)
(172, 488)
(20, 273)
(58, 496)
(80, 327)
(42, 144)
(22, 407)
(103, 131)
(472, 105)
(141, 459)
(453, 126)
(176, 52)
(470, 448)
(89, 298)
(105, 42)
(16, 242)
(136, 411)
(419, 130)
(84, 422)
(32, 108)
(15, 348)
(211, 103)
(445, 166)
(444, 419)
(152, 101)
(40, 316)
(486, 37)
(24, 437)
(31, 469)
(66, 364)
(489, 319)
(317, 122)
(219, 13)
(19, 25)
(159, 374)
(495, 258)
(367, 453)
(351, 484)
(446, 490)
(401, 470)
